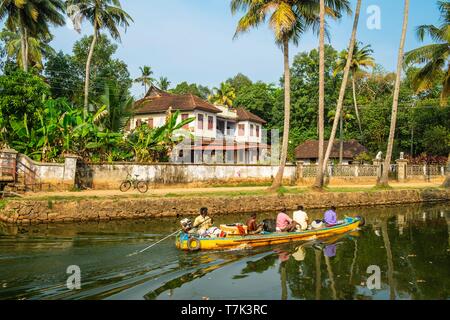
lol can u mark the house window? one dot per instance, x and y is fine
(184, 117)
(252, 128)
(210, 123)
(200, 122)
(241, 130)
(257, 131)
(150, 123)
(138, 123)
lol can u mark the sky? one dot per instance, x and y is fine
(192, 40)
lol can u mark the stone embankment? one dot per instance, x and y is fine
(83, 210)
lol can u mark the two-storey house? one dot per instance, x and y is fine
(221, 134)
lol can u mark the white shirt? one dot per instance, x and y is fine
(301, 218)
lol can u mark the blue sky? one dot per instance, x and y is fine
(192, 40)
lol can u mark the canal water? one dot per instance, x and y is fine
(409, 244)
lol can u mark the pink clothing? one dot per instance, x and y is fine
(283, 220)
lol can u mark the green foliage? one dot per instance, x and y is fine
(258, 98)
(437, 140)
(224, 95)
(21, 94)
(64, 76)
(197, 90)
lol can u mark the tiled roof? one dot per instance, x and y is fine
(245, 115)
(310, 149)
(157, 101)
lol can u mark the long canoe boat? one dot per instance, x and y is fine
(185, 242)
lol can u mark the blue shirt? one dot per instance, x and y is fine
(330, 217)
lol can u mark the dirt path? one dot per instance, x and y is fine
(225, 190)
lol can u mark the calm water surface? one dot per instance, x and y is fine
(409, 243)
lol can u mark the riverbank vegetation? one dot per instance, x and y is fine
(54, 103)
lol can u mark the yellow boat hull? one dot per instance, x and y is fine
(245, 242)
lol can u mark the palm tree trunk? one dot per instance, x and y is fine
(23, 44)
(287, 114)
(384, 181)
(320, 171)
(88, 70)
(355, 101)
(341, 138)
(344, 84)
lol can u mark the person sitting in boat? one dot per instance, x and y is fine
(252, 225)
(285, 223)
(301, 217)
(203, 222)
(330, 218)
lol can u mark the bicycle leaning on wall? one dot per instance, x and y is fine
(129, 182)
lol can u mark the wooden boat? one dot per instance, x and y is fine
(184, 242)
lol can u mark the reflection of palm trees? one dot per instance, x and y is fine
(390, 262)
(284, 292)
(331, 277)
(355, 256)
(318, 274)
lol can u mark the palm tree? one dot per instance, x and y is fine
(436, 58)
(362, 58)
(387, 162)
(341, 95)
(224, 95)
(164, 83)
(32, 18)
(288, 19)
(321, 124)
(102, 14)
(146, 77)
(37, 48)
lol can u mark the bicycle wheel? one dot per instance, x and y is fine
(142, 187)
(125, 186)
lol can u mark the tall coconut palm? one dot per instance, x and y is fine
(38, 48)
(164, 83)
(32, 18)
(436, 59)
(387, 162)
(224, 95)
(288, 19)
(146, 77)
(362, 58)
(321, 124)
(341, 94)
(105, 15)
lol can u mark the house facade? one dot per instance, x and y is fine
(220, 134)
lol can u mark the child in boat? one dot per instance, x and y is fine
(252, 225)
(301, 217)
(285, 223)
